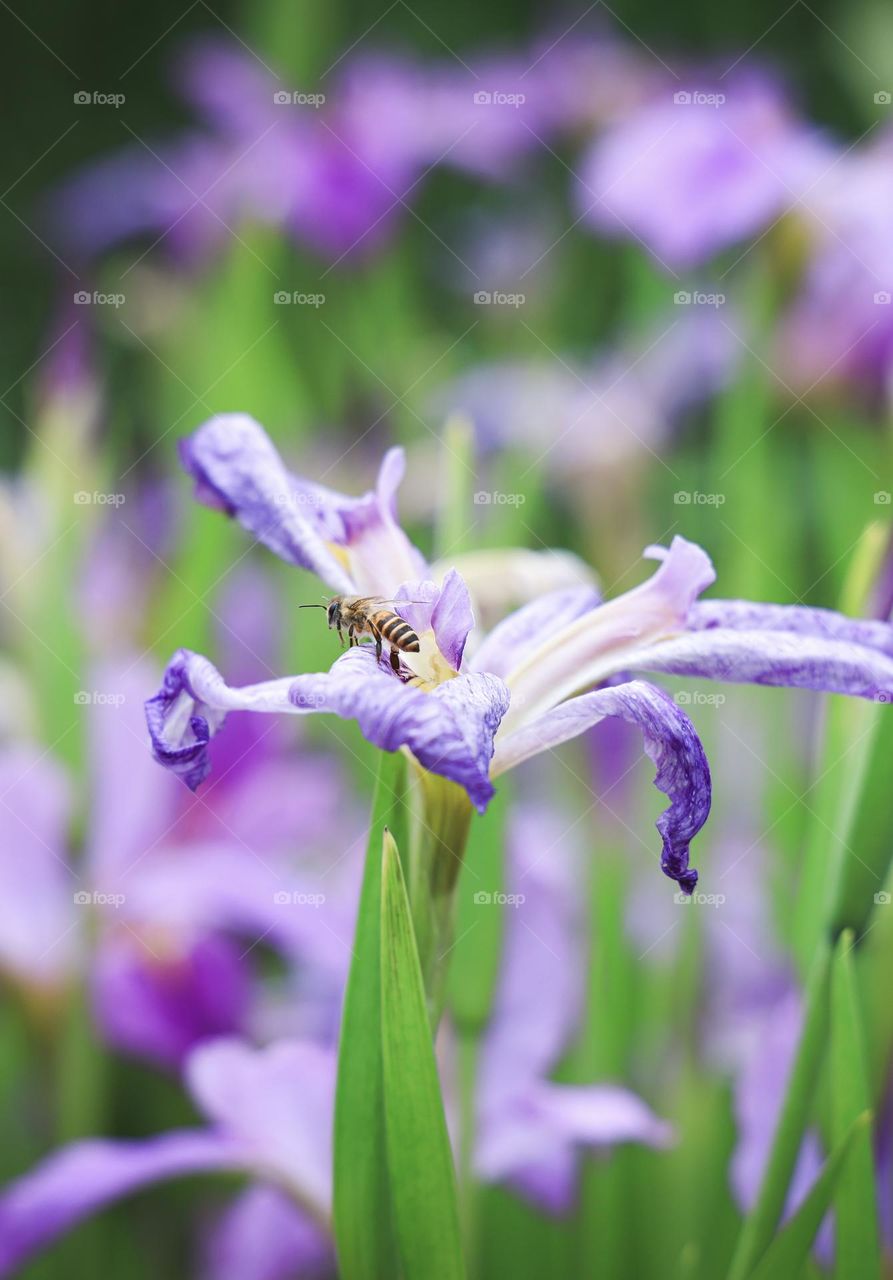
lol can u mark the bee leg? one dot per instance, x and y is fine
(395, 661)
(341, 637)
(378, 648)
(350, 638)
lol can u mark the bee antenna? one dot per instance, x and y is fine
(311, 606)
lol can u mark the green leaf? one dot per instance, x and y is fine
(789, 1250)
(423, 1181)
(362, 1212)
(760, 1225)
(855, 1201)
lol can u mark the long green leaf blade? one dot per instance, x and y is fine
(790, 1248)
(362, 1212)
(855, 1201)
(420, 1162)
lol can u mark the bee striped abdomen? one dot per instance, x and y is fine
(396, 631)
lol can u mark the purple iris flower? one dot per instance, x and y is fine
(540, 678)
(839, 328)
(701, 166)
(269, 1111)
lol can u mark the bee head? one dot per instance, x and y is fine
(333, 613)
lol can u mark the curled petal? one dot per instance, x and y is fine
(82, 1179)
(190, 707)
(670, 742)
(449, 730)
(238, 470)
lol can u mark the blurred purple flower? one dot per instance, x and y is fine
(839, 328)
(703, 165)
(157, 915)
(613, 411)
(269, 1111)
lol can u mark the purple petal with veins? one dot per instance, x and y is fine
(670, 742)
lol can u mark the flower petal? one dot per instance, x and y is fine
(527, 628)
(449, 730)
(190, 707)
(238, 470)
(670, 742)
(278, 1102)
(779, 645)
(83, 1178)
(445, 610)
(263, 1235)
(583, 653)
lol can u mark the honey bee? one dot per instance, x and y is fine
(367, 616)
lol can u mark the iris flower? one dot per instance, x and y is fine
(542, 676)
